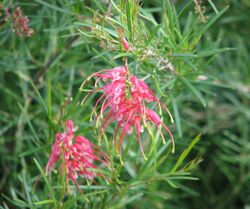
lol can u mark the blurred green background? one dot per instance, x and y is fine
(40, 74)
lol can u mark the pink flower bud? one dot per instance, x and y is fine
(125, 43)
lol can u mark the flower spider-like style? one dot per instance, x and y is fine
(77, 156)
(124, 100)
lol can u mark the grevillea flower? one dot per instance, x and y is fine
(78, 155)
(124, 100)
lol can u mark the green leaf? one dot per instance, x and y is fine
(32, 151)
(212, 21)
(46, 180)
(211, 52)
(51, 6)
(194, 91)
(213, 6)
(186, 55)
(43, 202)
(107, 61)
(24, 111)
(176, 116)
(171, 183)
(153, 34)
(185, 153)
(125, 54)
(157, 85)
(129, 18)
(17, 202)
(26, 188)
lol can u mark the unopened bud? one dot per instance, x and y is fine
(125, 43)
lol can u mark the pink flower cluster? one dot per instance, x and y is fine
(20, 22)
(78, 157)
(125, 98)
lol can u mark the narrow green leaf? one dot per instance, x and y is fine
(17, 202)
(49, 97)
(36, 141)
(211, 52)
(46, 180)
(43, 202)
(153, 34)
(189, 63)
(27, 189)
(125, 54)
(53, 7)
(107, 61)
(116, 8)
(158, 86)
(131, 199)
(211, 83)
(129, 19)
(39, 96)
(212, 21)
(183, 55)
(185, 153)
(213, 6)
(171, 183)
(176, 116)
(33, 150)
(194, 91)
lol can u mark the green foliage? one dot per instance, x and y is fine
(199, 70)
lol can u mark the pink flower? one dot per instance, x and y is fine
(124, 100)
(78, 157)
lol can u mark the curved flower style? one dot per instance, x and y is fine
(78, 157)
(125, 98)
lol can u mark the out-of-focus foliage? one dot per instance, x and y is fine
(225, 172)
(208, 92)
